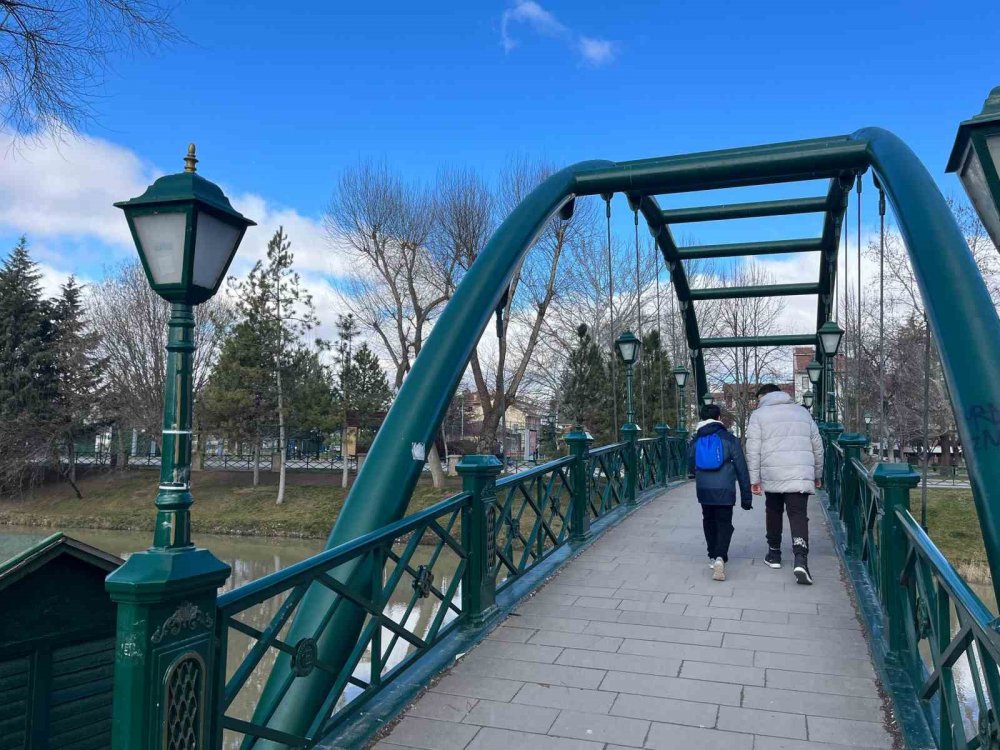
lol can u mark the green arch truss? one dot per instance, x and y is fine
(961, 314)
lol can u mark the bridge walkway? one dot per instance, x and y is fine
(633, 645)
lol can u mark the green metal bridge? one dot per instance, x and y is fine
(339, 658)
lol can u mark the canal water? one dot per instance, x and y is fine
(251, 558)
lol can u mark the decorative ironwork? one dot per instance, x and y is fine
(491, 535)
(304, 658)
(184, 705)
(423, 581)
(187, 616)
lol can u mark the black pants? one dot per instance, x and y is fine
(717, 520)
(794, 503)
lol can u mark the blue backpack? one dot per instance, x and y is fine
(709, 453)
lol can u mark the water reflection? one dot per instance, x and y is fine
(251, 558)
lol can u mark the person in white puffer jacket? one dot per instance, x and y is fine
(785, 456)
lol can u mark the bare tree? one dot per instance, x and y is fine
(131, 321)
(53, 53)
(397, 284)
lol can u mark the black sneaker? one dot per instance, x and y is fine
(773, 558)
(801, 571)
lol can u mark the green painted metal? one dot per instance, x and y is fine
(747, 249)
(166, 595)
(785, 207)
(894, 481)
(630, 436)
(479, 526)
(972, 146)
(764, 290)
(725, 342)
(850, 499)
(663, 435)
(579, 441)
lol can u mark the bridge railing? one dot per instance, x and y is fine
(429, 573)
(938, 642)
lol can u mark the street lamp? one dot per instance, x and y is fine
(681, 376)
(807, 399)
(976, 158)
(708, 399)
(186, 233)
(628, 347)
(815, 371)
(829, 335)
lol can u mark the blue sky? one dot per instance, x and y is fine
(280, 98)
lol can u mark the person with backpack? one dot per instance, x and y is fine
(716, 461)
(785, 454)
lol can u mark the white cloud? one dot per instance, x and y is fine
(593, 50)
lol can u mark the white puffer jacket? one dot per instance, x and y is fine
(784, 449)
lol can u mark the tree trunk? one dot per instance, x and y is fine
(255, 457)
(121, 449)
(281, 443)
(434, 461)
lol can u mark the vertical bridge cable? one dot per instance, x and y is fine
(611, 312)
(883, 435)
(638, 314)
(857, 327)
(659, 334)
(927, 397)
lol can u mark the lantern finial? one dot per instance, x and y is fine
(190, 160)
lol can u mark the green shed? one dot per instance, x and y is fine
(57, 646)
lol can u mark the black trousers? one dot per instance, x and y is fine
(717, 520)
(776, 504)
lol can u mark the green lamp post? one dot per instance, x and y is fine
(186, 233)
(829, 336)
(628, 347)
(807, 400)
(680, 377)
(976, 158)
(815, 372)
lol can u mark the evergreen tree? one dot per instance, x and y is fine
(585, 387)
(369, 387)
(347, 331)
(28, 370)
(647, 385)
(79, 388)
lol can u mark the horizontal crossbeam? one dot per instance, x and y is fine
(741, 292)
(785, 207)
(741, 249)
(725, 342)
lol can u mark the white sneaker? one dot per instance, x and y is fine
(719, 570)
(711, 564)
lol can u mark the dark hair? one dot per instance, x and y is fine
(710, 411)
(768, 388)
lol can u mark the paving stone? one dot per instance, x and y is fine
(600, 728)
(639, 596)
(521, 651)
(575, 590)
(574, 612)
(836, 622)
(814, 704)
(674, 737)
(490, 738)
(774, 604)
(512, 716)
(780, 618)
(528, 671)
(700, 610)
(621, 662)
(576, 640)
(551, 597)
(600, 603)
(429, 734)
(795, 646)
(575, 699)
(477, 686)
(510, 634)
(783, 743)
(664, 620)
(686, 651)
(671, 710)
(851, 733)
(821, 683)
(770, 723)
(652, 633)
(774, 630)
(822, 664)
(668, 608)
(699, 670)
(433, 705)
(672, 687)
(537, 622)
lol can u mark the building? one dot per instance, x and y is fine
(520, 431)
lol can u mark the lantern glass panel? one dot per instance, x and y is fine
(215, 244)
(162, 237)
(977, 186)
(681, 377)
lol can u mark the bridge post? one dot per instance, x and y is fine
(896, 481)
(579, 441)
(630, 434)
(850, 506)
(830, 432)
(662, 431)
(479, 476)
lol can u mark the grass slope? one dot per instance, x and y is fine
(225, 503)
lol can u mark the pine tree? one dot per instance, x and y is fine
(585, 387)
(347, 331)
(28, 371)
(369, 389)
(78, 377)
(648, 384)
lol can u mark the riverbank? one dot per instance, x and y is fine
(953, 525)
(225, 503)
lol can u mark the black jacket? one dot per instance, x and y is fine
(719, 487)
